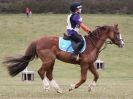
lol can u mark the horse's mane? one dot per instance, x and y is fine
(97, 30)
(100, 29)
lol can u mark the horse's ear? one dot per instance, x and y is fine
(98, 26)
(116, 26)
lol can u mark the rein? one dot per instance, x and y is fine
(105, 46)
(105, 42)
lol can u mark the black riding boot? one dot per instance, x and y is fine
(78, 44)
(75, 53)
(77, 49)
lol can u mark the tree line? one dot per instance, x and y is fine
(62, 6)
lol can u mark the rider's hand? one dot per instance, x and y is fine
(90, 33)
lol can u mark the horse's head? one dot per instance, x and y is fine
(115, 36)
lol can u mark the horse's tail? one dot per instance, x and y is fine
(17, 64)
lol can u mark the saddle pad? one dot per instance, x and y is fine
(66, 45)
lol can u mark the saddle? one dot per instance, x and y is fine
(66, 37)
(66, 45)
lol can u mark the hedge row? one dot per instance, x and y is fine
(62, 6)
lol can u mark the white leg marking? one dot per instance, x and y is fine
(72, 86)
(54, 85)
(46, 85)
(91, 86)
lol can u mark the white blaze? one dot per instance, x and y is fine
(122, 42)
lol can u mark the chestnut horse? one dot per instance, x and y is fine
(46, 48)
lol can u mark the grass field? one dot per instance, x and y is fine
(116, 80)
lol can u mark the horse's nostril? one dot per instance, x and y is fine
(121, 45)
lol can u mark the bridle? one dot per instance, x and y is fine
(116, 40)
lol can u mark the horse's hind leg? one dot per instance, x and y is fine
(47, 60)
(52, 82)
(46, 71)
(41, 73)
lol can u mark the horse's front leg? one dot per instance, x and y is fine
(84, 69)
(96, 76)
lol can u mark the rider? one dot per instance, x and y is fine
(74, 22)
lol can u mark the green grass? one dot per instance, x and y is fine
(116, 80)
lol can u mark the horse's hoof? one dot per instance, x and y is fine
(89, 89)
(72, 87)
(59, 91)
(91, 86)
(46, 90)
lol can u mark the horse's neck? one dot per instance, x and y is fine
(100, 41)
(97, 42)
